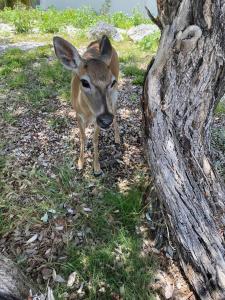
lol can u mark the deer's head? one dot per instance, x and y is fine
(98, 86)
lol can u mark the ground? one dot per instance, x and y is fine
(55, 220)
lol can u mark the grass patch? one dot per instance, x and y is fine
(52, 20)
(113, 265)
(150, 42)
(53, 192)
(220, 108)
(133, 60)
(33, 77)
(8, 117)
(135, 73)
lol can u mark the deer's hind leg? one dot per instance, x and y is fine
(82, 126)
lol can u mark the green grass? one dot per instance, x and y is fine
(133, 60)
(220, 109)
(150, 42)
(110, 261)
(113, 261)
(8, 117)
(135, 73)
(52, 20)
(37, 83)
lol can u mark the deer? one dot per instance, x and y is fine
(94, 90)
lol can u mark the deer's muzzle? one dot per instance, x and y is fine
(105, 120)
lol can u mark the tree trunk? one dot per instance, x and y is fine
(183, 85)
(13, 284)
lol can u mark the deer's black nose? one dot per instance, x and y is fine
(105, 120)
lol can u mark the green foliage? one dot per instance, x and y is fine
(220, 108)
(121, 20)
(138, 18)
(21, 17)
(136, 73)
(52, 20)
(150, 42)
(38, 82)
(113, 261)
(46, 23)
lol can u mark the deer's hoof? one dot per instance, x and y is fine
(80, 165)
(98, 173)
(117, 140)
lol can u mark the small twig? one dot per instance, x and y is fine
(156, 20)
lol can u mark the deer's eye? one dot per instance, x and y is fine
(85, 83)
(113, 83)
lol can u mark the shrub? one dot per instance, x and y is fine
(135, 73)
(52, 20)
(23, 22)
(138, 18)
(121, 20)
(21, 17)
(150, 42)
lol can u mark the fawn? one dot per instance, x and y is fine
(94, 89)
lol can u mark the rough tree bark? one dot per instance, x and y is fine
(183, 85)
(13, 284)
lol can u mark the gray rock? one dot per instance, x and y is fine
(6, 27)
(101, 28)
(71, 30)
(36, 30)
(21, 45)
(121, 31)
(137, 33)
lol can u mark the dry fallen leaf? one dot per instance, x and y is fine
(45, 218)
(87, 209)
(32, 239)
(71, 279)
(50, 294)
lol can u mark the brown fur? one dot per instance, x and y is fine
(93, 88)
(98, 72)
(92, 52)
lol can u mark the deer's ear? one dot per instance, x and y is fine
(105, 50)
(66, 53)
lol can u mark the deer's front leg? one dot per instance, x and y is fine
(97, 168)
(116, 127)
(82, 127)
(116, 130)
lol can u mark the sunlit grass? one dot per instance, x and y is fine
(52, 20)
(113, 263)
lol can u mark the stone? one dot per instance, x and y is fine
(6, 27)
(101, 28)
(71, 30)
(22, 46)
(137, 33)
